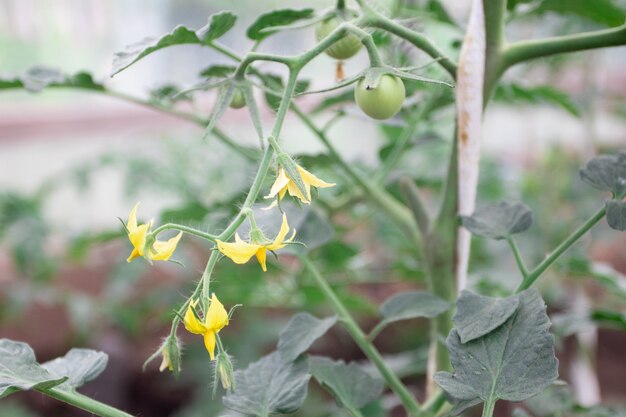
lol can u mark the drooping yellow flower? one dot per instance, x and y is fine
(215, 319)
(284, 184)
(137, 234)
(240, 251)
(166, 363)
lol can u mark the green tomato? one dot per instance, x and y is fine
(345, 47)
(238, 100)
(381, 102)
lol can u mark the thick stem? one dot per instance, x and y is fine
(394, 383)
(83, 402)
(488, 408)
(527, 50)
(494, 36)
(565, 245)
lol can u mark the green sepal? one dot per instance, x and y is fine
(291, 169)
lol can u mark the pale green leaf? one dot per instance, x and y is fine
(270, 386)
(604, 12)
(19, 369)
(37, 78)
(606, 173)
(513, 362)
(351, 386)
(499, 220)
(262, 27)
(79, 366)
(515, 94)
(616, 214)
(412, 304)
(218, 25)
(225, 96)
(300, 333)
(217, 71)
(477, 315)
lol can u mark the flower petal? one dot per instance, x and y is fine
(239, 252)
(261, 256)
(294, 191)
(191, 322)
(209, 343)
(134, 254)
(216, 317)
(137, 237)
(164, 250)
(280, 237)
(131, 225)
(279, 185)
(312, 180)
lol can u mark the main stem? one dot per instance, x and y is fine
(394, 383)
(83, 402)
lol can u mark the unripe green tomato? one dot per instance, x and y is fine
(381, 102)
(238, 100)
(344, 48)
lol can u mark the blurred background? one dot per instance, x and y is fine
(71, 162)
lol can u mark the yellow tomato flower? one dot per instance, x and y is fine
(137, 234)
(284, 184)
(240, 252)
(166, 363)
(215, 319)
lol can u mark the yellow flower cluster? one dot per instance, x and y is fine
(137, 234)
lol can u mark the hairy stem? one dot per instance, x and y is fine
(394, 383)
(83, 402)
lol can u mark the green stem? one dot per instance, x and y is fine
(394, 383)
(518, 256)
(527, 50)
(494, 43)
(371, 336)
(188, 230)
(488, 408)
(435, 402)
(416, 38)
(83, 402)
(565, 245)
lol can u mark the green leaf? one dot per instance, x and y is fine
(225, 96)
(19, 369)
(37, 78)
(261, 28)
(79, 366)
(300, 333)
(168, 94)
(556, 400)
(350, 384)
(513, 362)
(218, 25)
(499, 220)
(412, 304)
(270, 386)
(217, 71)
(517, 94)
(519, 412)
(616, 214)
(477, 315)
(275, 83)
(607, 173)
(611, 319)
(604, 12)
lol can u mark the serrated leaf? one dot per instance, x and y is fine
(300, 333)
(19, 369)
(218, 25)
(218, 71)
(270, 386)
(261, 28)
(516, 93)
(350, 384)
(513, 362)
(604, 12)
(616, 214)
(37, 78)
(412, 304)
(499, 220)
(606, 173)
(79, 366)
(477, 315)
